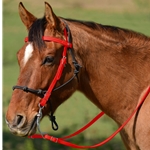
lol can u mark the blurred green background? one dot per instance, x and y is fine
(77, 111)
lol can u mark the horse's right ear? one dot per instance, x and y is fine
(26, 17)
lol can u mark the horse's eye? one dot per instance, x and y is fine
(48, 60)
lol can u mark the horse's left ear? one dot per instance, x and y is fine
(51, 18)
(26, 17)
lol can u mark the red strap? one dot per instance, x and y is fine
(85, 127)
(77, 132)
(63, 142)
(63, 42)
(60, 68)
(56, 78)
(57, 40)
(26, 39)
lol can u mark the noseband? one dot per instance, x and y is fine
(45, 95)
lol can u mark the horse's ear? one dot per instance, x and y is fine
(26, 17)
(51, 18)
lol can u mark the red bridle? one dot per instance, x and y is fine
(62, 64)
(47, 95)
(67, 43)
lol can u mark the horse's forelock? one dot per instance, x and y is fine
(36, 32)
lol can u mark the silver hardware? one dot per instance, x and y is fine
(39, 117)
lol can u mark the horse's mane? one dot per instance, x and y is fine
(36, 31)
(113, 29)
(132, 38)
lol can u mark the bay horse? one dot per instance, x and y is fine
(110, 65)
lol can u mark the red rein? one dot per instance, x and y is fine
(44, 100)
(66, 143)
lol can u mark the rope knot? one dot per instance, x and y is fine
(25, 89)
(53, 121)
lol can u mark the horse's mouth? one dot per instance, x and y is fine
(33, 126)
(27, 130)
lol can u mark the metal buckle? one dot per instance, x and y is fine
(39, 117)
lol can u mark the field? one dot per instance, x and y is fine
(77, 111)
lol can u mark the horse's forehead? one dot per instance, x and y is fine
(28, 53)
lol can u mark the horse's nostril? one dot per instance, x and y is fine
(19, 121)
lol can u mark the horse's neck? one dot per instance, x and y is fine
(86, 47)
(87, 52)
(102, 79)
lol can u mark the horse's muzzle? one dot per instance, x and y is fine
(21, 127)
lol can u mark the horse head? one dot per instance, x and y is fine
(39, 60)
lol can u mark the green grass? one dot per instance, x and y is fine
(77, 111)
